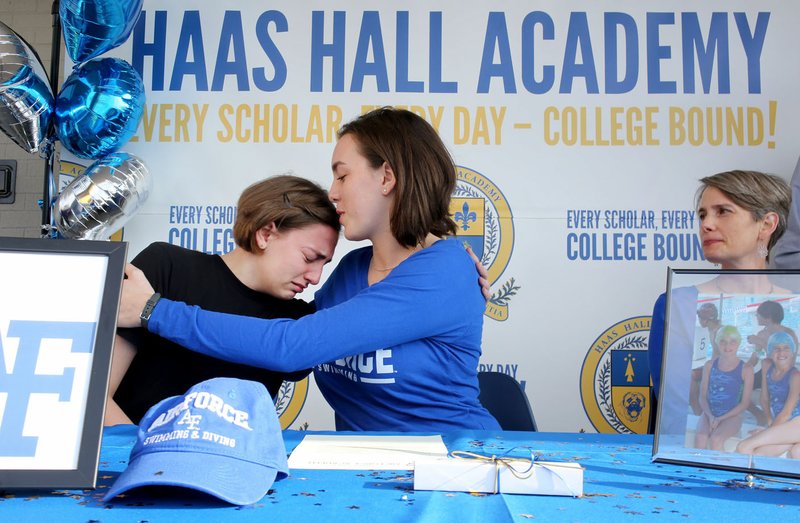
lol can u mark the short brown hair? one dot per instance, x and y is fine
(756, 192)
(424, 169)
(288, 201)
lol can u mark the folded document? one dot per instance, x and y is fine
(357, 452)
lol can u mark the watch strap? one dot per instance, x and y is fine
(144, 317)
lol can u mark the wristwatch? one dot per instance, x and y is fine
(144, 317)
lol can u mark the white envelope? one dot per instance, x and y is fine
(475, 475)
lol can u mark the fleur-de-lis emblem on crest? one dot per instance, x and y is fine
(465, 216)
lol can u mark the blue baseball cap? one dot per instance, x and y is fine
(222, 437)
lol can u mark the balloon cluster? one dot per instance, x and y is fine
(96, 112)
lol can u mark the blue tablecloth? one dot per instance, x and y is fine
(620, 483)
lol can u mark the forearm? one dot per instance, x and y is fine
(735, 411)
(121, 357)
(782, 417)
(240, 339)
(704, 404)
(290, 345)
(765, 405)
(705, 407)
(115, 415)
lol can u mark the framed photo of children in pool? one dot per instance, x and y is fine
(58, 317)
(730, 379)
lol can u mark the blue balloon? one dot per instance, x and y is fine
(92, 27)
(99, 107)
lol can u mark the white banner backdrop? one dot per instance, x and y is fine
(580, 128)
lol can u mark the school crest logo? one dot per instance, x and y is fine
(290, 401)
(615, 378)
(484, 221)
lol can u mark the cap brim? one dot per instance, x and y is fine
(232, 480)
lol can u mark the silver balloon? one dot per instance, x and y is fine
(99, 202)
(26, 98)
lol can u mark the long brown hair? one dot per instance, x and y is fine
(424, 169)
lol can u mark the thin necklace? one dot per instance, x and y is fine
(387, 269)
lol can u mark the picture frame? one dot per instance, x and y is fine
(58, 317)
(722, 349)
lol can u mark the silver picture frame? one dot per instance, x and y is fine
(719, 361)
